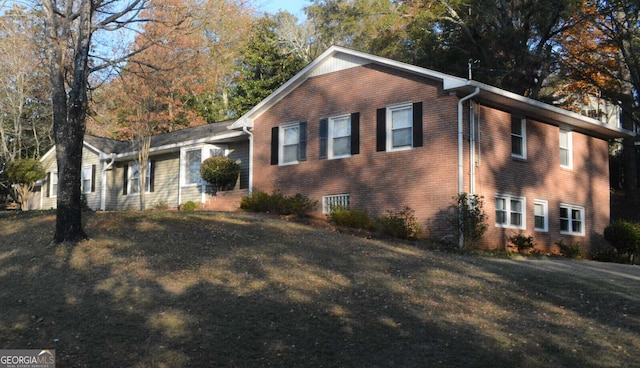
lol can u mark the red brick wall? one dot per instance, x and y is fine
(425, 178)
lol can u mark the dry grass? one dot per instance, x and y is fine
(169, 289)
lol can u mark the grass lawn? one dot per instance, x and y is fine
(176, 289)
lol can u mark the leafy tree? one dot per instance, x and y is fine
(263, 67)
(23, 174)
(470, 219)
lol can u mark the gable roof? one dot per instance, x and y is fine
(166, 142)
(338, 58)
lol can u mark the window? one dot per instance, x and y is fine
(332, 201)
(510, 212)
(340, 136)
(53, 184)
(541, 215)
(518, 138)
(292, 147)
(87, 179)
(133, 179)
(399, 127)
(566, 149)
(571, 219)
(192, 161)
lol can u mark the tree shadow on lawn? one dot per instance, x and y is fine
(248, 291)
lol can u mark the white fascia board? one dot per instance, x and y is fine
(99, 152)
(48, 153)
(177, 146)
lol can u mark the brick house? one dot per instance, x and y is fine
(380, 135)
(111, 179)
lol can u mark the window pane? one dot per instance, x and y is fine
(290, 153)
(516, 219)
(576, 223)
(402, 137)
(193, 166)
(539, 222)
(401, 118)
(342, 146)
(538, 209)
(516, 126)
(501, 214)
(564, 213)
(291, 135)
(516, 145)
(564, 139)
(564, 225)
(564, 157)
(342, 127)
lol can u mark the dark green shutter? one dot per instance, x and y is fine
(93, 178)
(381, 129)
(324, 133)
(355, 133)
(274, 145)
(125, 179)
(152, 171)
(48, 194)
(417, 124)
(302, 142)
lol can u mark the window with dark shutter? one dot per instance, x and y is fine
(48, 194)
(274, 145)
(152, 169)
(302, 142)
(324, 133)
(93, 178)
(125, 179)
(355, 133)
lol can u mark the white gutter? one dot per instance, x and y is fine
(103, 183)
(246, 130)
(460, 157)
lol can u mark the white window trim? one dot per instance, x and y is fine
(82, 178)
(281, 144)
(389, 125)
(53, 193)
(328, 200)
(331, 137)
(545, 209)
(523, 214)
(570, 208)
(569, 148)
(131, 164)
(523, 127)
(205, 153)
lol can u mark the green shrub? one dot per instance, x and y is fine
(220, 171)
(574, 251)
(23, 174)
(298, 205)
(606, 254)
(161, 205)
(356, 219)
(189, 206)
(469, 219)
(624, 236)
(401, 224)
(523, 243)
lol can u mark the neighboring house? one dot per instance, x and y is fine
(378, 135)
(111, 180)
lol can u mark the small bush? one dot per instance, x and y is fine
(298, 205)
(161, 206)
(469, 218)
(189, 206)
(220, 171)
(401, 224)
(606, 254)
(356, 219)
(624, 236)
(573, 251)
(523, 243)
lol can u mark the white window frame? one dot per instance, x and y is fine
(332, 136)
(509, 212)
(85, 178)
(281, 145)
(568, 148)
(53, 184)
(328, 201)
(522, 136)
(205, 153)
(130, 175)
(389, 126)
(570, 211)
(545, 214)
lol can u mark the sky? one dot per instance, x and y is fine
(292, 6)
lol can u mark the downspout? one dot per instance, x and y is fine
(246, 130)
(472, 150)
(103, 183)
(460, 157)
